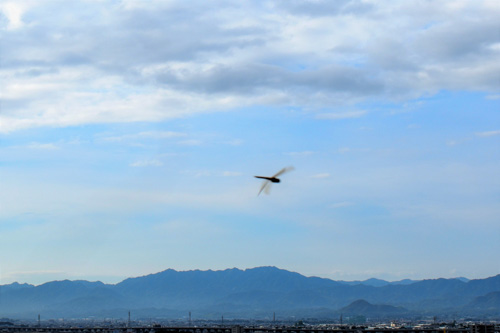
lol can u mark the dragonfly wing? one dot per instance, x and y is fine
(267, 188)
(282, 171)
(266, 185)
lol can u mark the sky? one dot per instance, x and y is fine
(131, 132)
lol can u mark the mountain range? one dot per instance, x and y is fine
(254, 293)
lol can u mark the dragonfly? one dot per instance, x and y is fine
(266, 185)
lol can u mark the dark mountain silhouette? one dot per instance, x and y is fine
(15, 286)
(250, 293)
(489, 303)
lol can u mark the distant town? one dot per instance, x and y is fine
(109, 325)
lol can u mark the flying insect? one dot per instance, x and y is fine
(266, 185)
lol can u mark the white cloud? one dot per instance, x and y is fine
(147, 163)
(43, 146)
(488, 133)
(235, 142)
(187, 228)
(144, 135)
(342, 204)
(192, 142)
(321, 175)
(231, 174)
(341, 115)
(13, 11)
(301, 153)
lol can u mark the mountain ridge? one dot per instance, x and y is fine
(248, 293)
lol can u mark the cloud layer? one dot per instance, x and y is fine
(86, 62)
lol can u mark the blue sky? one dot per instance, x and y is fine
(130, 132)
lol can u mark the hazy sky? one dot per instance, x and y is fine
(130, 132)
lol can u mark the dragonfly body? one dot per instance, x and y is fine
(271, 179)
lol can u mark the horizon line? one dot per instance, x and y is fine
(120, 279)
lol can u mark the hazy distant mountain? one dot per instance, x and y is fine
(404, 281)
(463, 279)
(381, 283)
(363, 308)
(251, 293)
(370, 282)
(378, 282)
